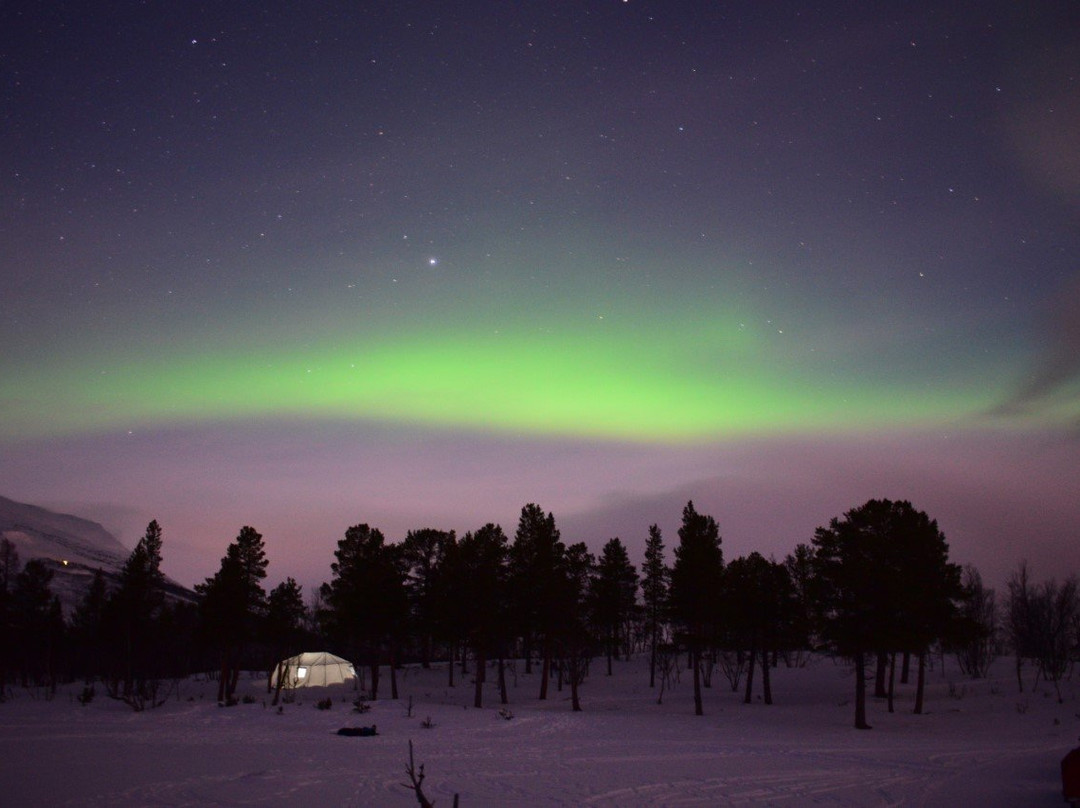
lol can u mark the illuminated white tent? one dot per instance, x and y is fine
(313, 669)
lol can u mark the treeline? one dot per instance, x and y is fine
(875, 586)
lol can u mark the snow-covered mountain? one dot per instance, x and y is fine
(73, 547)
(39, 533)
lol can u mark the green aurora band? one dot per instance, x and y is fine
(596, 381)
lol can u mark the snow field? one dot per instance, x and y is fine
(981, 743)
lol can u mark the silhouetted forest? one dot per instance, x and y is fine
(875, 586)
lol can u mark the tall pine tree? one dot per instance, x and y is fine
(233, 605)
(535, 560)
(654, 591)
(695, 587)
(614, 595)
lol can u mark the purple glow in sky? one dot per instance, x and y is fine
(420, 265)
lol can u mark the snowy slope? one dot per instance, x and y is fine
(983, 745)
(40, 533)
(72, 547)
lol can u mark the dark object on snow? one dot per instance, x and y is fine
(1070, 776)
(358, 732)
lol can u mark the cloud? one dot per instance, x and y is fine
(1057, 365)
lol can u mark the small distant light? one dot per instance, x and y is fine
(64, 562)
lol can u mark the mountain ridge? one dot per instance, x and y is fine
(72, 547)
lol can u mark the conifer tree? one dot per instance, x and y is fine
(654, 591)
(695, 587)
(233, 605)
(614, 594)
(88, 628)
(798, 632)
(535, 559)
(884, 583)
(575, 577)
(366, 597)
(480, 571)
(759, 602)
(284, 627)
(38, 624)
(9, 568)
(132, 616)
(423, 554)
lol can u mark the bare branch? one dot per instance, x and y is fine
(416, 778)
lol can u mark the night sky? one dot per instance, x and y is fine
(305, 265)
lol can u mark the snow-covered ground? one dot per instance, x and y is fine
(980, 744)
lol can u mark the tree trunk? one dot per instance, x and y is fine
(129, 675)
(280, 683)
(450, 667)
(748, 696)
(502, 680)
(698, 709)
(766, 682)
(393, 673)
(879, 675)
(652, 660)
(892, 678)
(920, 683)
(545, 669)
(233, 679)
(481, 667)
(905, 671)
(223, 678)
(860, 691)
(374, 675)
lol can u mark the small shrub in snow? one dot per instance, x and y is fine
(324, 704)
(87, 695)
(427, 723)
(361, 706)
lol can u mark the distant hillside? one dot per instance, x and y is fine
(39, 533)
(72, 547)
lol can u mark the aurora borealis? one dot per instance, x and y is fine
(421, 264)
